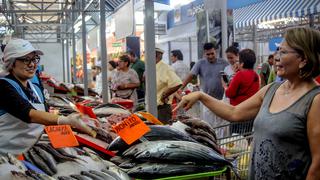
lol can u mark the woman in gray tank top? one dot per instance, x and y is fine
(286, 128)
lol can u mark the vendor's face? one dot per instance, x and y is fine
(26, 66)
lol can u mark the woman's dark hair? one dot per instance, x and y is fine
(113, 64)
(125, 58)
(232, 49)
(248, 58)
(177, 53)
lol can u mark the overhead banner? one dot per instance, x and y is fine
(214, 23)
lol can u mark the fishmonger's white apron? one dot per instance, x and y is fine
(17, 136)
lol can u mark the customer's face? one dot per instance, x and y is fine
(232, 58)
(290, 62)
(210, 54)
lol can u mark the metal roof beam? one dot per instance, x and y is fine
(40, 2)
(44, 11)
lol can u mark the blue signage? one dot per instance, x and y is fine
(274, 43)
(184, 14)
(167, 2)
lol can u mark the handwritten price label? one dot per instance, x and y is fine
(61, 136)
(131, 129)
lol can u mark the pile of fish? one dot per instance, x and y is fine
(43, 162)
(202, 132)
(166, 151)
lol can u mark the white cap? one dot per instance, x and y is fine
(18, 48)
(159, 50)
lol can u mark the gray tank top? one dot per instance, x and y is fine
(281, 149)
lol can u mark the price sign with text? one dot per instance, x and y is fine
(61, 136)
(131, 129)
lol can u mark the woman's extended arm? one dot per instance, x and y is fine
(242, 112)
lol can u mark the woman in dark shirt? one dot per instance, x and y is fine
(22, 111)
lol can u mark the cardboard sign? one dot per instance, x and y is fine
(131, 129)
(150, 118)
(61, 136)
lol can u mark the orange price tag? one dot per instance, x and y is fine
(150, 118)
(61, 136)
(86, 110)
(131, 129)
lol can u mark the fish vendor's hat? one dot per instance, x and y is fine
(18, 48)
(159, 50)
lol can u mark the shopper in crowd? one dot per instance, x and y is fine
(286, 128)
(97, 77)
(209, 70)
(243, 85)
(125, 81)
(22, 110)
(232, 53)
(273, 77)
(180, 68)
(265, 70)
(167, 83)
(139, 67)
(112, 68)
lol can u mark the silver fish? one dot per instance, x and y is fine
(157, 133)
(48, 158)
(175, 151)
(103, 175)
(39, 162)
(90, 175)
(80, 177)
(116, 172)
(16, 162)
(199, 124)
(20, 176)
(208, 142)
(157, 170)
(65, 178)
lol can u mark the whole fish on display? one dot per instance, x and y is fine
(39, 162)
(199, 124)
(157, 132)
(109, 109)
(103, 175)
(80, 177)
(157, 170)
(48, 159)
(117, 173)
(20, 176)
(90, 175)
(56, 154)
(208, 142)
(175, 151)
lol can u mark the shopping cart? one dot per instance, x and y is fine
(236, 145)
